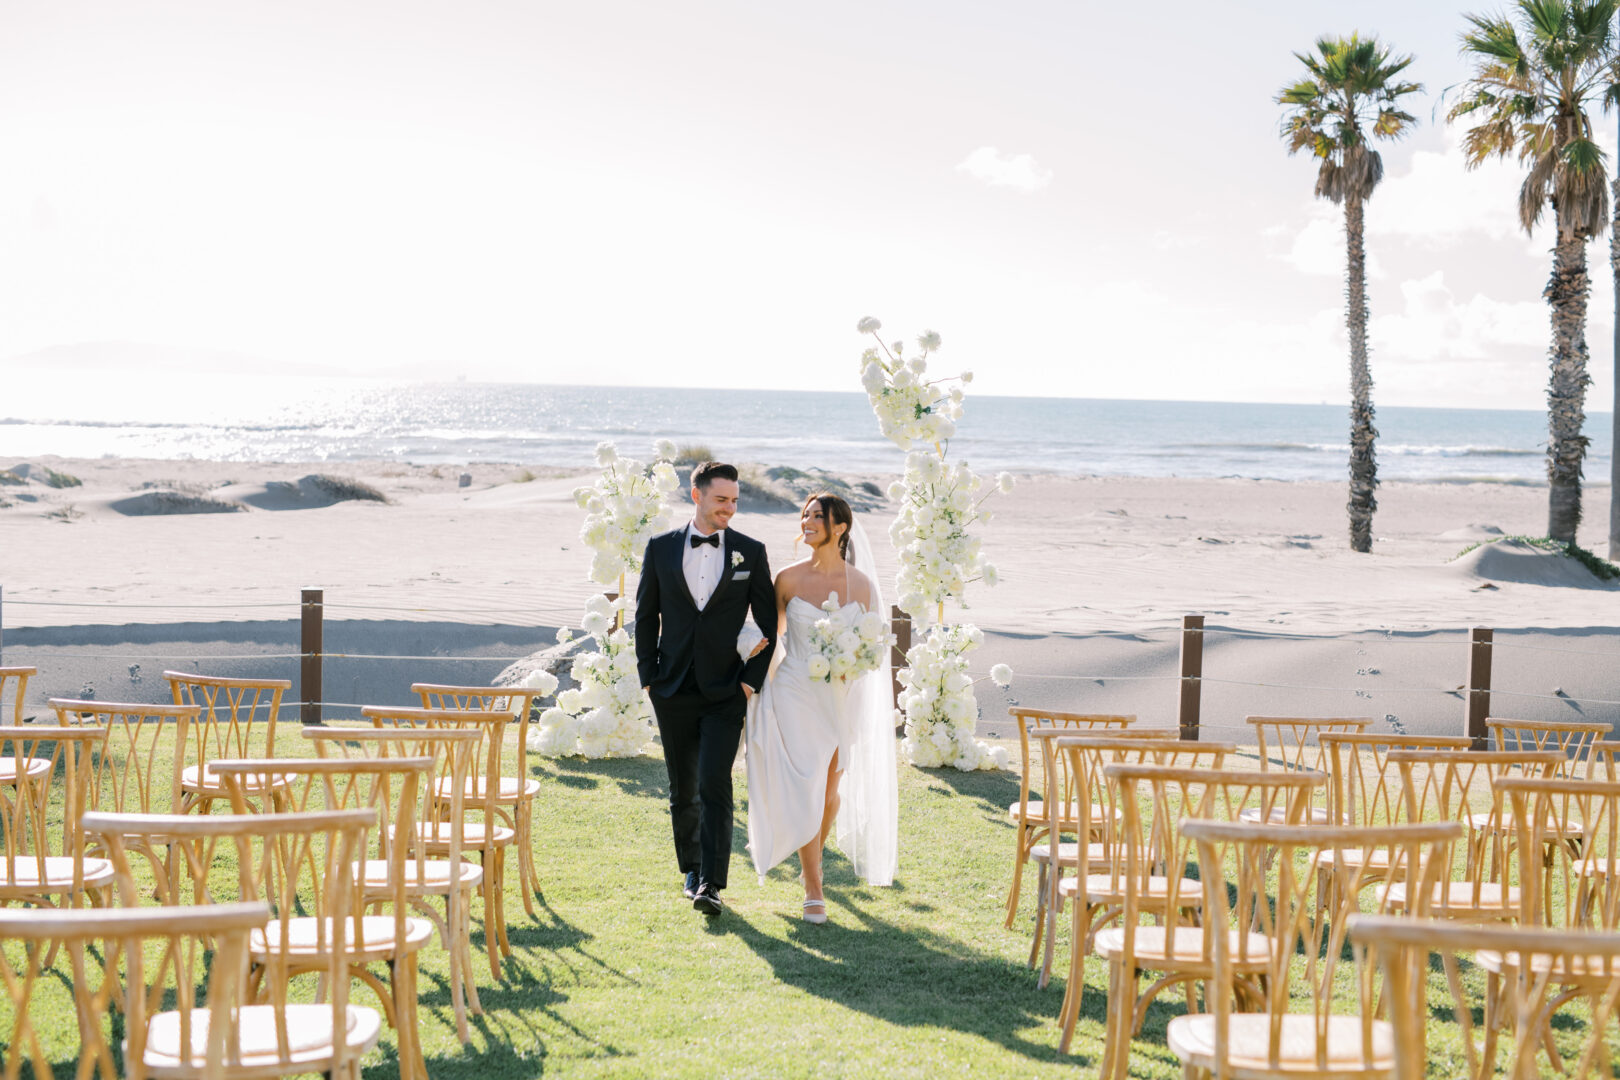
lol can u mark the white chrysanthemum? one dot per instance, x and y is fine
(868, 325)
(967, 376)
(599, 605)
(664, 450)
(1001, 675)
(564, 635)
(594, 622)
(929, 339)
(990, 575)
(606, 454)
(1004, 483)
(542, 680)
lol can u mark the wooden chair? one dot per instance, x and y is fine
(106, 940)
(1443, 785)
(1097, 887)
(1600, 760)
(1158, 880)
(236, 718)
(297, 866)
(14, 680)
(1403, 949)
(482, 829)
(1027, 814)
(1286, 966)
(1295, 743)
(385, 789)
(44, 862)
(1571, 737)
(1060, 814)
(450, 879)
(515, 802)
(1364, 790)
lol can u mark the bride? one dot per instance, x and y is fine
(819, 751)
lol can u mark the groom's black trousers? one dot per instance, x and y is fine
(700, 745)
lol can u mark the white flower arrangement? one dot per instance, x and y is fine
(624, 509)
(910, 409)
(736, 559)
(937, 700)
(607, 714)
(939, 558)
(846, 645)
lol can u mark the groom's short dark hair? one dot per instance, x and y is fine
(710, 471)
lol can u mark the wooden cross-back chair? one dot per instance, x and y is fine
(1272, 991)
(136, 768)
(236, 719)
(449, 879)
(483, 831)
(1295, 743)
(299, 865)
(44, 862)
(1364, 789)
(1028, 813)
(1570, 737)
(1158, 880)
(1481, 884)
(14, 684)
(1404, 948)
(517, 790)
(1074, 803)
(1600, 761)
(202, 958)
(386, 789)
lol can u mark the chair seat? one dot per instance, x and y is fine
(507, 790)
(437, 835)
(1569, 829)
(1069, 853)
(1192, 1040)
(22, 874)
(35, 767)
(435, 871)
(1155, 948)
(376, 932)
(309, 1037)
(1458, 894)
(1376, 859)
(1317, 815)
(1564, 969)
(1596, 866)
(202, 779)
(1096, 814)
(1108, 889)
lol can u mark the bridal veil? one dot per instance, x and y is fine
(869, 815)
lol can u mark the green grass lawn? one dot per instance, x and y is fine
(619, 977)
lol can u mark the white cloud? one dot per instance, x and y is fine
(1019, 171)
(1435, 325)
(1318, 247)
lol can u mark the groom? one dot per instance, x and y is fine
(698, 585)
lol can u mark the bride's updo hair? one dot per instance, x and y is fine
(835, 511)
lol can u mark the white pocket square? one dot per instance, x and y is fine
(741, 575)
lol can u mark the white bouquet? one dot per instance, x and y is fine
(625, 508)
(606, 714)
(845, 645)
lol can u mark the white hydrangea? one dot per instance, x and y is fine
(911, 409)
(606, 714)
(625, 508)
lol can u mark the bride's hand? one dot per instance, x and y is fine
(757, 649)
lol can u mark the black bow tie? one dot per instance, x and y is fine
(713, 540)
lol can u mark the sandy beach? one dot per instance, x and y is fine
(1096, 576)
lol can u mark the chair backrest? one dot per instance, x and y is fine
(137, 768)
(300, 864)
(517, 700)
(1294, 742)
(1363, 787)
(1062, 791)
(50, 768)
(1158, 800)
(1402, 949)
(482, 795)
(202, 957)
(14, 681)
(1600, 760)
(236, 717)
(1263, 879)
(1047, 722)
(1082, 760)
(1570, 737)
(1567, 834)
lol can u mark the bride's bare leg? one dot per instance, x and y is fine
(810, 854)
(829, 813)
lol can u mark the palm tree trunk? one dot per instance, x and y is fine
(1363, 464)
(1566, 292)
(1614, 417)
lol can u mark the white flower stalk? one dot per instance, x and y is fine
(937, 700)
(624, 509)
(606, 714)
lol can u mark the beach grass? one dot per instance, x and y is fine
(617, 976)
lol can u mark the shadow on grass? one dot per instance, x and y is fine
(911, 977)
(992, 790)
(632, 775)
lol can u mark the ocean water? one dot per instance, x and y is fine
(235, 418)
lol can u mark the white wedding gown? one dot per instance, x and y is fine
(794, 728)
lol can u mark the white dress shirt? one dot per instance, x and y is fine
(702, 565)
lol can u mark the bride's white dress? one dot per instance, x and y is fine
(796, 725)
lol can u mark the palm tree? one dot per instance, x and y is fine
(1349, 97)
(1530, 90)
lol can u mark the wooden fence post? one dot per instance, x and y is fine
(1478, 703)
(309, 672)
(900, 626)
(1192, 671)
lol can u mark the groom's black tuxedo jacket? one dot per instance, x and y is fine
(672, 635)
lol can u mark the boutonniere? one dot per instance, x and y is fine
(736, 559)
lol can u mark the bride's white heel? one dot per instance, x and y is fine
(817, 917)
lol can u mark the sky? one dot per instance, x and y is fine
(1082, 199)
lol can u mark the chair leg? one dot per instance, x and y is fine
(530, 881)
(1040, 913)
(1019, 858)
(1075, 988)
(1051, 904)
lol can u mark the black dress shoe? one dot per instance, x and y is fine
(690, 887)
(708, 901)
